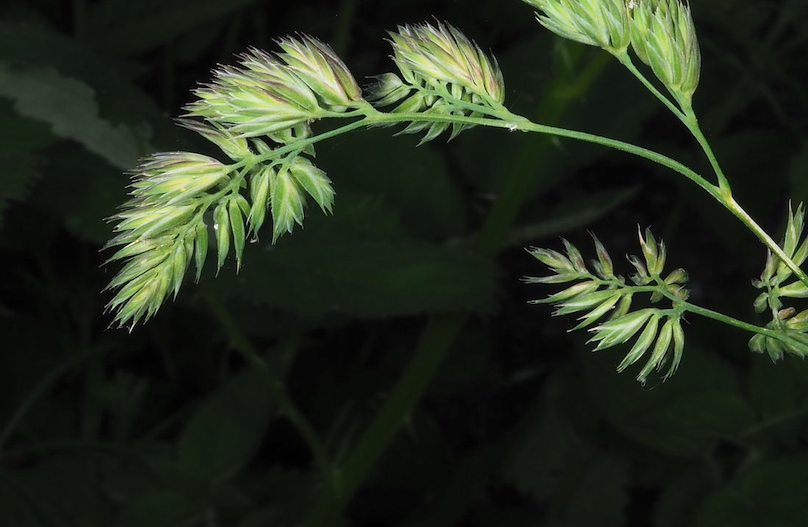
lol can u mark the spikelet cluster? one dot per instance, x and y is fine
(661, 33)
(778, 282)
(443, 72)
(605, 300)
(594, 22)
(249, 112)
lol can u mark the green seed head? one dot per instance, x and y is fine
(441, 55)
(664, 37)
(602, 23)
(322, 70)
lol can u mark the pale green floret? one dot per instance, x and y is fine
(619, 330)
(234, 146)
(599, 311)
(388, 89)
(260, 97)
(601, 23)
(664, 37)
(773, 282)
(173, 177)
(642, 344)
(287, 203)
(221, 225)
(606, 266)
(322, 70)
(553, 259)
(437, 56)
(314, 181)
(259, 195)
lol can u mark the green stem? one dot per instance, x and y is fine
(688, 118)
(725, 319)
(626, 61)
(767, 240)
(441, 331)
(502, 118)
(692, 124)
(284, 401)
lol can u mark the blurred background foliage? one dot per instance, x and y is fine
(521, 426)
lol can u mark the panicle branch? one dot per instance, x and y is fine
(777, 282)
(163, 227)
(605, 301)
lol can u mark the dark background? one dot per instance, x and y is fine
(167, 425)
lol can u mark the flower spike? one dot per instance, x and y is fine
(603, 295)
(601, 23)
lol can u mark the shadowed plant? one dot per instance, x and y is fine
(263, 112)
(603, 295)
(260, 114)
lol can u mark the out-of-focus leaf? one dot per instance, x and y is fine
(572, 215)
(771, 494)
(18, 134)
(160, 508)
(69, 107)
(538, 463)
(778, 390)
(92, 197)
(680, 498)
(18, 506)
(683, 418)
(126, 28)
(415, 181)
(365, 279)
(59, 483)
(798, 175)
(119, 101)
(228, 427)
(600, 495)
(290, 495)
(19, 173)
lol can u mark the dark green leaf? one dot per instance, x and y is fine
(228, 427)
(126, 28)
(771, 494)
(538, 463)
(415, 182)
(600, 496)
(69, 107)
(685, 418)
(366, 279)
(159, 508)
